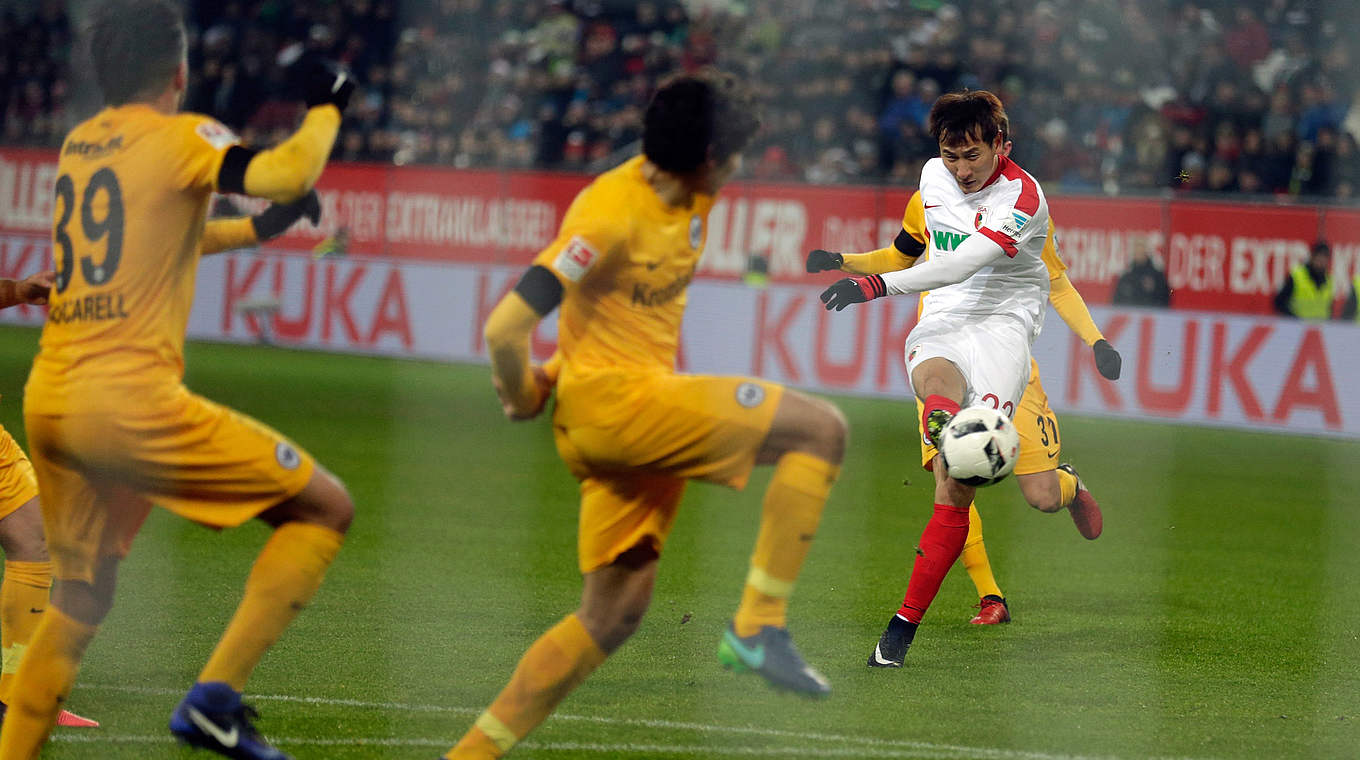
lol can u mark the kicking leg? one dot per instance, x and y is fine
(52, 660)
(613, 601)
(24, 596)
(308, 531)
(943, 388)
(806, 443)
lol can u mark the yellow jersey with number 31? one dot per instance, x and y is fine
(132, 193)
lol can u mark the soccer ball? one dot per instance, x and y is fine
(979, 446)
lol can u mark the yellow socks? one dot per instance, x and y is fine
(43, 682)
(555, 665)
(975, 557)
(792, 509)
(285, 576)
(1068, 483)
(23, 597)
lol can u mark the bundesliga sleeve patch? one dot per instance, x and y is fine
(1012, 223)
(575, 259)
(216, 135)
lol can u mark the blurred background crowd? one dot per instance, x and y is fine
(1111, 96)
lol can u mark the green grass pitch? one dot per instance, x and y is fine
(1216, 618)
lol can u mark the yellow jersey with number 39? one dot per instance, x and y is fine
(132, 193)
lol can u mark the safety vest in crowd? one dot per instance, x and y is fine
(1308, 300)
(1356, 291)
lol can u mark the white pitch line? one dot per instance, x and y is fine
(864, 746)
(630, 748)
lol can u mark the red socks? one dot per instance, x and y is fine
(941, 544)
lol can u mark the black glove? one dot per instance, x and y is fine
(848, 290)
(325, 82)
(824, 261)
(1107, 359)
(274, 220)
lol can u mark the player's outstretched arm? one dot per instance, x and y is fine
(242, 232)
(1072, 308)
(32, 290)
(902, 254)
(976, 252)
(286, 172)
(523, 387)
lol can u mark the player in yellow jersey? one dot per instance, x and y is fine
(632, 430)
(1046, 484)
(111, 426)
(28, 571)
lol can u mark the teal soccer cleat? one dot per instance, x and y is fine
(771, 653)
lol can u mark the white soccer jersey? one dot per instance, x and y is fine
(1010, 209)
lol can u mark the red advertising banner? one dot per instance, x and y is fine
(1217, 256)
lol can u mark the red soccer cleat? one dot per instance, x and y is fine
(71, 720)
(992, 609)
(1084, 509)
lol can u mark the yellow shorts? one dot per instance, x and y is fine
(18, 485)
(633, 439)
(1034, 420)
(100, 473)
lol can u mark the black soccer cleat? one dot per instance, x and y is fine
(213, 717)
(892, 646)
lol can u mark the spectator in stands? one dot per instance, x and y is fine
(1143, 284)
(1307, 291)
(1220, 177)
(1140, 93)
(1349, 310)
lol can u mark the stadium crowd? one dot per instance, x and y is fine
(1218, 96)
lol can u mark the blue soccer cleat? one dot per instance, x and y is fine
(213, 717)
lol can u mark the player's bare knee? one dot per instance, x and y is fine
(339, 506)
(1043, 493)
(21, 534)
(323, 501)
(831, 432)
(612, 620)
(87, 602)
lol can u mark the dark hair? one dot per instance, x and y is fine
(959, 117)
(695, 117)
(1322, 247)
(135, 46)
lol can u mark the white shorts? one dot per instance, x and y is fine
(992, 354)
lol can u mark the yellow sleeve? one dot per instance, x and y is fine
(591, 230)
(228, 234)
(507, 332)
(287, 171)
(914, 218)
(1050, 253)
(890, 259)
(1063, 294)
(876, 262)
(198, 145)
(1070, 306)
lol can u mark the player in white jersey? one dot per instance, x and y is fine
(986, 301)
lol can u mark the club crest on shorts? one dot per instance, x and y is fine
(696, 231)
(750, 395)
(287, 456)
(912, 353)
